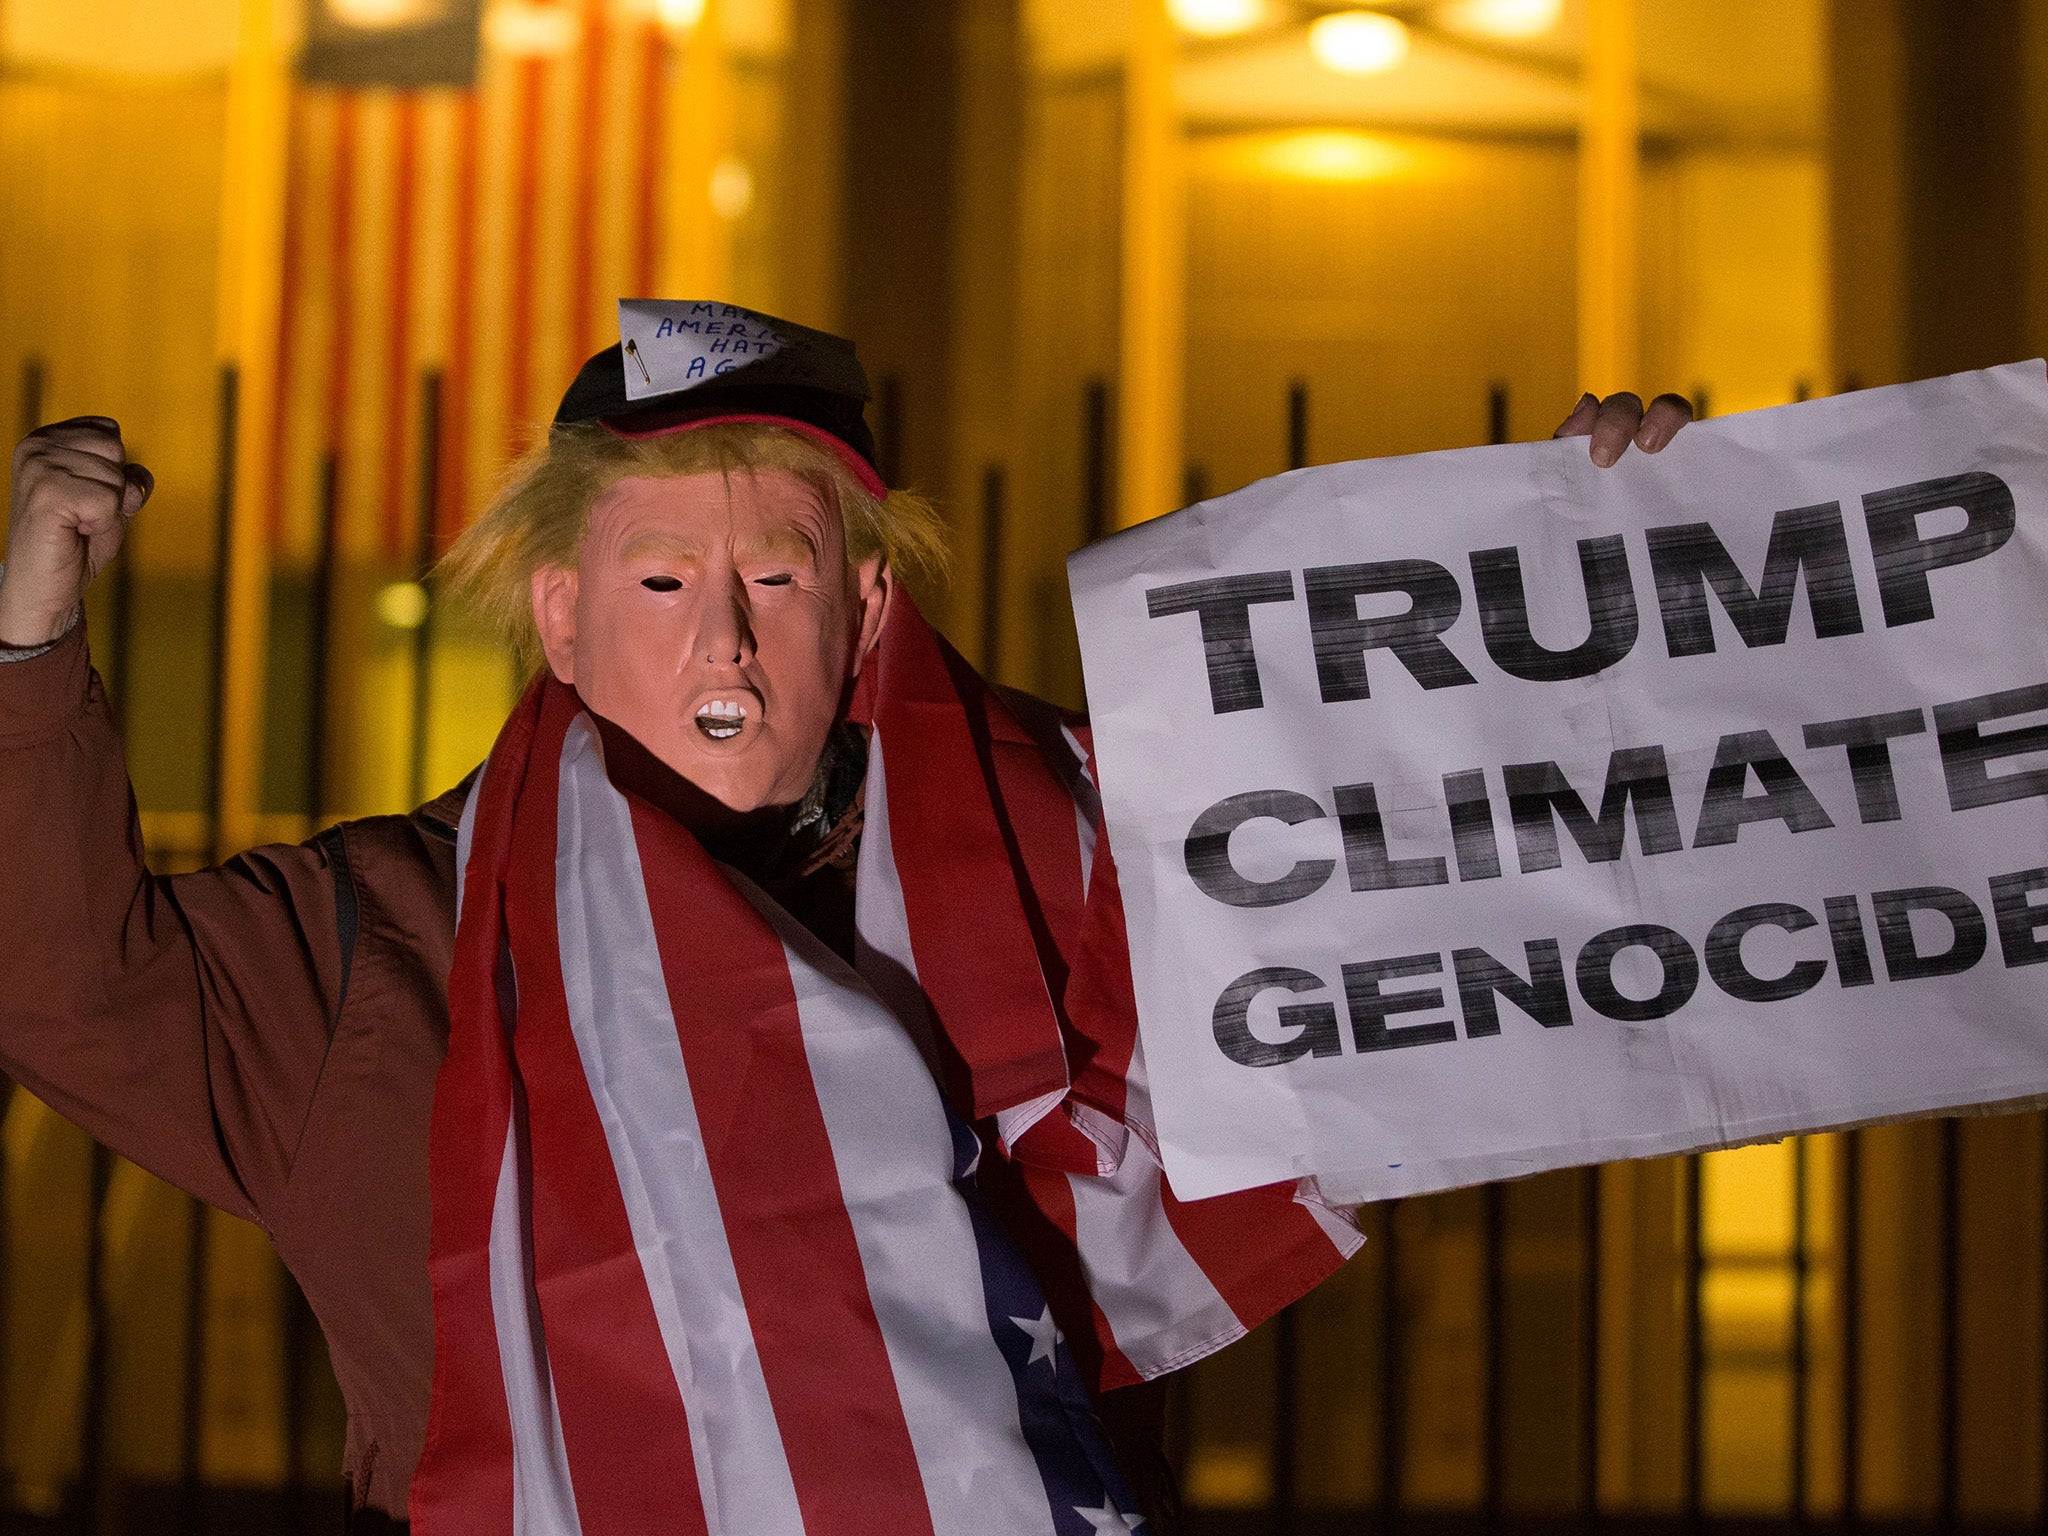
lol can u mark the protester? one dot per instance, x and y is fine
(766, 1148)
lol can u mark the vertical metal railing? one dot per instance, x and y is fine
(1799, 1452)
(1849, 1266)
(320, 632)
(1591, 1238)
(425, 552)
(227, 404)
(1692, 1380)
(1392, 1450)
(1493, 1354)
(1095, 464)
(92, 1432)
(1947, 1438)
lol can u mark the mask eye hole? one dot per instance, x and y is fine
(779, 579)
(661, 584)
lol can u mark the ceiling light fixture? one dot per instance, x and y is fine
(1216, 18)
(379, 15)
(525, 30)
(1508, 19)
(1358, 42)
(1329, 154)
(679, 15)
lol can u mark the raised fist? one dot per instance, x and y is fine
(74, 491)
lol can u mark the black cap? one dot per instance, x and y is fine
(722, 362)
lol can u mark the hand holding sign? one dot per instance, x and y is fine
(1484, 812)
(1620, 420)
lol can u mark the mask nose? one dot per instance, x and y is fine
(726, 637)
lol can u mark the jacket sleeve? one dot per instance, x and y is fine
(183, 1021)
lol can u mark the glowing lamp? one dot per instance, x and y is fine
(1358, 42)
(732, 188)
(1510, 19)
(1216, 18)
(402, 605)
(1334, 155)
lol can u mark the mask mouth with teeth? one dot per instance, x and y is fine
(722, 719)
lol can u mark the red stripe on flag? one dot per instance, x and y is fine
(972, 938)
(623, 1420)
(1101, 1004)
(1260, 1248)
(1086, 962)
(793, 1246)
(463, 1486)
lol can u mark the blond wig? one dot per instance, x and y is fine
(540, 517)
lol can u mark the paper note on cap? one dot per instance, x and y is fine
(670, 345)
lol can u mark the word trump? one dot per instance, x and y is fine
(1542, 992)
(1687, 562)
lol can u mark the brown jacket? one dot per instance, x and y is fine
(264, 1035)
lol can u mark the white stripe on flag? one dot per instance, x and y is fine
(1160, 1304)
(893, 1150)
(543, 1501)
(881, 923)
(1342, 1231)
(612, 971)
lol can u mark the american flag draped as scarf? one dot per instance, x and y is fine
(716, 1247)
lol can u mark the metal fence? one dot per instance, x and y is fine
(308, 1501)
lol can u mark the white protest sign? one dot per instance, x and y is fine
(1484, 812)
